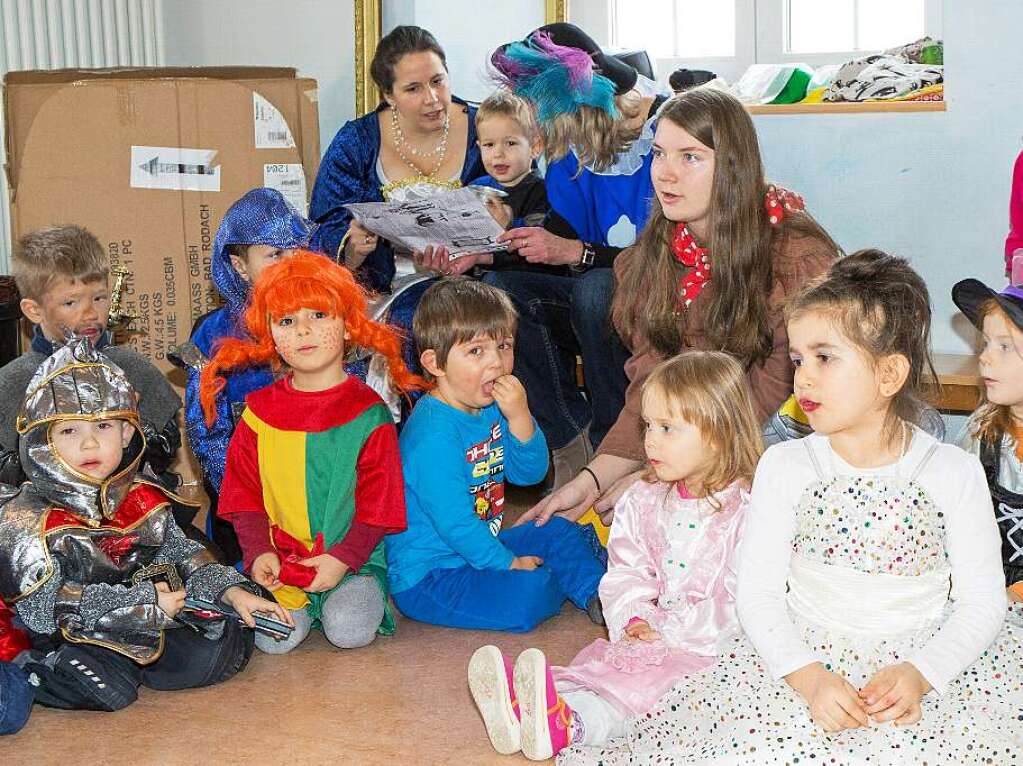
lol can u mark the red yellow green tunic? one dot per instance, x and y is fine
(316, 462)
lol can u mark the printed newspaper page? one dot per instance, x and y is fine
(457, 219)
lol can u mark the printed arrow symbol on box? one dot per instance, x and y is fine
(155, 167)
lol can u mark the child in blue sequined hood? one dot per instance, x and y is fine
(257, 230)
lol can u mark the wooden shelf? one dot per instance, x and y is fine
(848, 107)
(960, 382)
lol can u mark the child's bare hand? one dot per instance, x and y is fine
(501, 212)
(894, 694)
(170, 601)
(641, 631)
(510, 395)
(244, 602)
(266, 571)
(329, 572)
(527, 563)
(1013, 596)
(834, 703)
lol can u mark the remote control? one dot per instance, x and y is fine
(268, 625)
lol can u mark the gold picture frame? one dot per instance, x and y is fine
(368, 26)
(367, 35)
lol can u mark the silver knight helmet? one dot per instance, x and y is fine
(77, 382)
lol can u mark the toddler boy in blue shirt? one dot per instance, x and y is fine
(454, 565)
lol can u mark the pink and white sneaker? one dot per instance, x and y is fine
(490, 681)
(546, 719)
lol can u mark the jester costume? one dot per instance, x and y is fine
(312, 472)
(79, 556)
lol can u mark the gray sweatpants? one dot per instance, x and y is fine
(349, 618)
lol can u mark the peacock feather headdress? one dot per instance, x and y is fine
(556, 78)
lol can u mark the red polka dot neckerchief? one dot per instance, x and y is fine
(689, 253)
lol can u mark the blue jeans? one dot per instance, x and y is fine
(560, 317)
(16, 695)
(510, 599)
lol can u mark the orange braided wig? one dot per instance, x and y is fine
(305, 280)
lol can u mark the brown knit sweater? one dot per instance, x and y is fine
(797, 259)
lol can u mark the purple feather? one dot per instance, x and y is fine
(576, 61)
(557, 79)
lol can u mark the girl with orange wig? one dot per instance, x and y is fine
(313, 479)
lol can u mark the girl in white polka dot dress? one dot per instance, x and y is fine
(870, 585)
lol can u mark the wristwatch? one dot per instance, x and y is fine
(586, 261)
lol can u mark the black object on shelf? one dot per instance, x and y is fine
(684, 79)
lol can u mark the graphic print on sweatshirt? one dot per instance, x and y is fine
(487, 482)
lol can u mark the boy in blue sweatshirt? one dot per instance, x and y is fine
(454, 566)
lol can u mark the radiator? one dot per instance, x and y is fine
(62, 34)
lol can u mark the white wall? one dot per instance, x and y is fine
(469, 31)
(933, 187)
(314, 36)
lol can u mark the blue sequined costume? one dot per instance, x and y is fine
(261, 217)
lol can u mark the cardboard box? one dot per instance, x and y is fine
(149, 159)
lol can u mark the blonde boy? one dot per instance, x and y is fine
(62, 274)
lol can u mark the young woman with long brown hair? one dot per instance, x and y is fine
(720, 254)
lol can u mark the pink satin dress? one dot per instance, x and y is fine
(671, 562)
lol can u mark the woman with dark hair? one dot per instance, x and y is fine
(598, 133)
(420, 137)
(719, 256)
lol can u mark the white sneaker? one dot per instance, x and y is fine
(490, 681)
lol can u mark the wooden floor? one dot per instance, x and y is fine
(402, 700)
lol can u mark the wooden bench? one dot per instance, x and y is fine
(960, 382)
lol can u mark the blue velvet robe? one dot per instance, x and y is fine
(348, 174)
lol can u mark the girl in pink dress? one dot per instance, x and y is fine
(669, 592)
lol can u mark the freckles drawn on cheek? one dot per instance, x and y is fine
(284, 342)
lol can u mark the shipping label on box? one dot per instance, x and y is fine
(171, 167)
(289, 180)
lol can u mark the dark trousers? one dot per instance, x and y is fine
(559, 318)
(90, 677)
(15, 698)
(510, 599)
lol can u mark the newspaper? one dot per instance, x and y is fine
(457, 219)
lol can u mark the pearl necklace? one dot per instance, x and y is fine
(401, 143)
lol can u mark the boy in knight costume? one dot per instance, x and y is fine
(90, 556)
